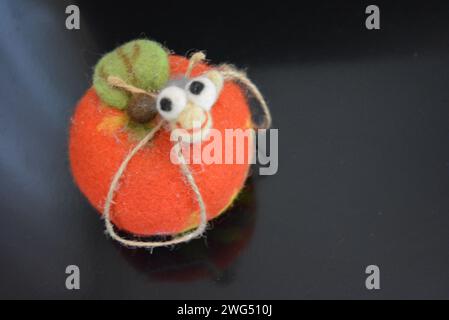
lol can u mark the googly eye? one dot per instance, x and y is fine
(202, 92)
(170, 102)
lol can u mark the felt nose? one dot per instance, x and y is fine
(191, 116)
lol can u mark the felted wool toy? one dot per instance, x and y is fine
(146, 109)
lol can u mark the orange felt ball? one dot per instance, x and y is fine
(153, 197)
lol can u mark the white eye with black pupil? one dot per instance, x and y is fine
(170, 102)
(166, 104)
(202, 92)
(196, 87)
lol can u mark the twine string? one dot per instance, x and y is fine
(119, 83)
(230, 73)
(197, 232)
(196, 58)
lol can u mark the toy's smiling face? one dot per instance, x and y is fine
(186, 104)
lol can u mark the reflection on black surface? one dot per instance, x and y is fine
(210, 257)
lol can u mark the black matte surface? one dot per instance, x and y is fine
(363, 120)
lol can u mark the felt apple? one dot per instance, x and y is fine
(153, 197)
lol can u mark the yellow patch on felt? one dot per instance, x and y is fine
(231, 200)
(249, 124)
(110, 124)
(195, 216)
(193, 221)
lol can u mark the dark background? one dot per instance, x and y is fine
(363, 177)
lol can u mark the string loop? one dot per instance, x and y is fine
(197, 232)
(230, 73)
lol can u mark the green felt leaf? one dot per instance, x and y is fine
(141, 63)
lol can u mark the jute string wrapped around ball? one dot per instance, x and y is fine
(229, 73)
